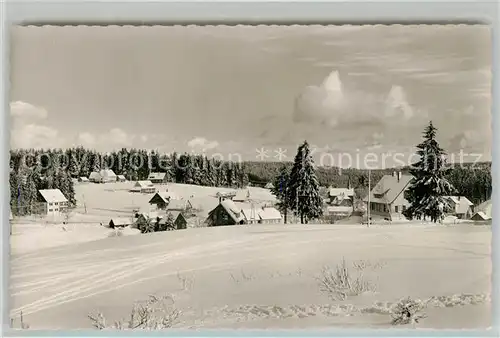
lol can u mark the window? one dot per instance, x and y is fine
(51, 210)
(396, 208)
(50, 204)
(404, 208)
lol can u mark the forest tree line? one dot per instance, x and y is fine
(32, 170)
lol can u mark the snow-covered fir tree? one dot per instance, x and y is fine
(280, 190)
(303, 187)
(429, 185)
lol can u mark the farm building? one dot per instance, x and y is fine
(269, 215)
(83, 179)
(460, 207)
(483, 212)
(144, 218)
(387, 197)
(341, 196)
(242, 195)
(119, 222)
(179, 205)
(95, 177)
(335, 212)
(269, 186)
(251, 214)
(121, 178)
(144, 187)
(52, 202)
(226, 213)
(103, 176)
(162, 199)
(158, 177)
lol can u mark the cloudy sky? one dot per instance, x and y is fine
(346, 89)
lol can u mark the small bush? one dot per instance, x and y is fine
(22, 324)
(156, 313)
(407, 311)
(116, 233)
(340, 284)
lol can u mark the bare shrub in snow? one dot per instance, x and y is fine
(156, 313)
(22, 324)
(116, 233)
(407, 311)
(186, 282)
(342, 283)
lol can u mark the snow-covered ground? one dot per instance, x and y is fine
(261, 276)
(98, 203)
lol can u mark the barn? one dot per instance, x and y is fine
(157, 177)
(144, 187)
(226, 213)
(162, 199)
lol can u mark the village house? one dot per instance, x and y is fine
(121, 178)
(340, 202)
(119, 222)
(460, 207)
(250, 213)
(226, 213)
(162, 199)
(179, 205)
(144, 187)
(103, 176)
(158, 177)
(83, 179)
(242, 195)
(483, 211)
(387, 197)
(269, 215)
(52, 202)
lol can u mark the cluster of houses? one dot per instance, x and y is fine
(386, 199)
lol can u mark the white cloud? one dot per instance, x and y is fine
(86, 139)
(20, 109)
(144, 138)
(35, 136)
(115, 138)
(202, 143)
(396, 104)
(27, 134)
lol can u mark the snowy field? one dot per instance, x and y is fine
(260, 276)
(256, 277)
(98, 203)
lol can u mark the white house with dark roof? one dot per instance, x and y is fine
(157, 177)
(144, 187)
(269, 215)
(387, 197)
(460, 206)
(52, 202)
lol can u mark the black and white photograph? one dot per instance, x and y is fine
(195, 177)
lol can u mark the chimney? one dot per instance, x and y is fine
(393, 174)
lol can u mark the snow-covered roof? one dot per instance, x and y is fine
(480, 215)
(233, 210)
(52, 195)
(107, 173)
(122, 177)
(178, 204)
(339, 209)
(269, 213)
(241, 195)
(334, 192)
(389, 187)
(120, 221)
(94, 175)
(250, 214)
(84, 179)
(156, 176)
(144, 184)
(269, 185)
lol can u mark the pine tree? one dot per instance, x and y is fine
(280, 190)
(303, 187)
(429, 185)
